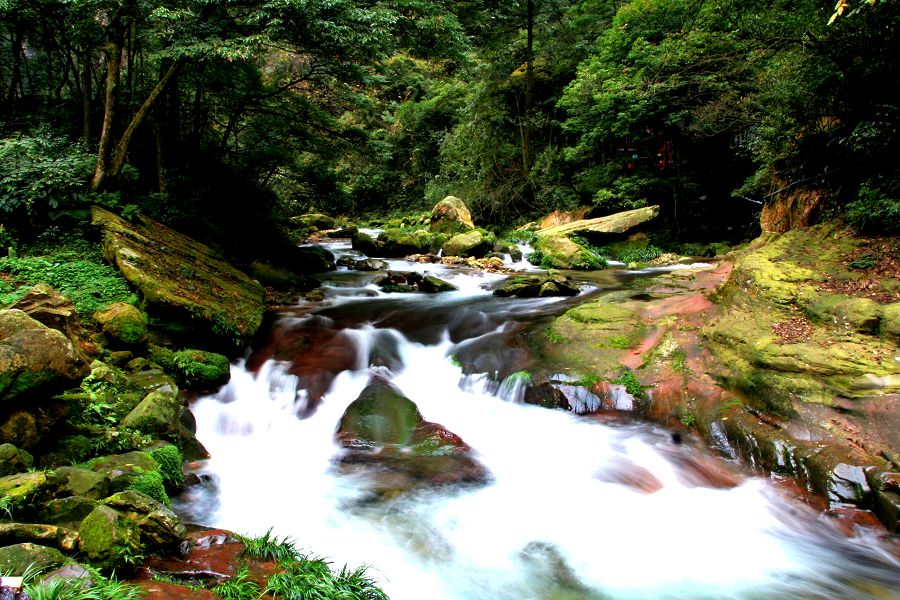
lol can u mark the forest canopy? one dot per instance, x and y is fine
(223, 117)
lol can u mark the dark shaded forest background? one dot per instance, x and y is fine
(223, 118)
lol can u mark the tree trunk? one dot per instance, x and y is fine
(113, 61)
(86, 93)
(527, 151)
(118, 160)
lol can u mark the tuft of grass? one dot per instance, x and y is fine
(103, 588)
(239, 587)
(312, 578)
(631, 383)
(269, 547)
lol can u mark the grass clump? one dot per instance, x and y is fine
(269, 547)
(631, 383)
(102, 588)
(313, 579)
(238, 587)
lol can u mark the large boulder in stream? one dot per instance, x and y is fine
(537, 286)
(186, 286)
(386, 435)
(451, 216)
(559, 251)
(473, 243)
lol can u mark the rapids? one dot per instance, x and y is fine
(550, 523)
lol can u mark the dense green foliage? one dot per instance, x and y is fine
(186, 110)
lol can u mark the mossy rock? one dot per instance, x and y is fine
(196, 369)
(76, 481)
(124, 470)
(171, 467)
(559, 252)
(859, 314)
(473, 243)
(891, 321)
(590, 338)
(108, 538)
(451, 216)
(399, 243)
(69, 511)
(17, 558)
(318, 220)
(156, 414)
(380, 415)
(22, 488)
(34, 359)
(160, 528)
(434, 285)
(123, 323)
(14, 460)
(537, 286)
(186, 285)
(611, 225)
(274, 276)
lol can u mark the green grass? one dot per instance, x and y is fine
(103, 588)
(76, 269)
(269, 547)
(238, 587)
(631, 383)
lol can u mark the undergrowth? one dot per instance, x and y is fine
(76, 269)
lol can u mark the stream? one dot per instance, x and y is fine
(550, 522)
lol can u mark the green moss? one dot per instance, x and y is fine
(556, 338)
(631, 383)
(78, 271)
(193, 368)
(151, 483)
(170, 467)
(679, 359)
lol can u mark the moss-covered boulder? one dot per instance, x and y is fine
(409, 282)
(473, 243)
(610, 225)
(195, 369)
(22, 488)
(69, 511)
(451, 216)
(317, 220)
(891, 321)
(156, 414)
(122, 323)
(537, 286)
(132, 470)
(76, 481)
(34, 359)
(186, 286)
(160, 528)
(17, 558)
(14, 460)
(53, 309)
(384, 431)
(560, 252)
(398, 242)
(108, 538)
(61, 538)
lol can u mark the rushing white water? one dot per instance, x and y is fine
(547, 525)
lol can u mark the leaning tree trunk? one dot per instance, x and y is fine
(527, 150)
(118, 160)
(113, 62)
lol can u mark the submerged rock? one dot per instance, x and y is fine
(184, 284)
(384, 430)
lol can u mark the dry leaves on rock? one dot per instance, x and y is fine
(793, 331)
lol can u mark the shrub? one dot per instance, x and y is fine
(874, 211)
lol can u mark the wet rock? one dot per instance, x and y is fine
(312, 259)
(74, 574)
(44, 304)
(124, 470)
(123, 323)
(473, 243)
(409, 282)
(34, 359)
(369, 264)
(383, 430)
(451, 216)
(318, 220)
(631, 475)
(156, 414)
(15, 559)
(125, 525)
(13, 460)
(534, 286)
(69, 511)
(547, 395)
(22, 487)
(275, 277)
(54, 536)
(183, 282)
(75, 481)
(847, 484)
